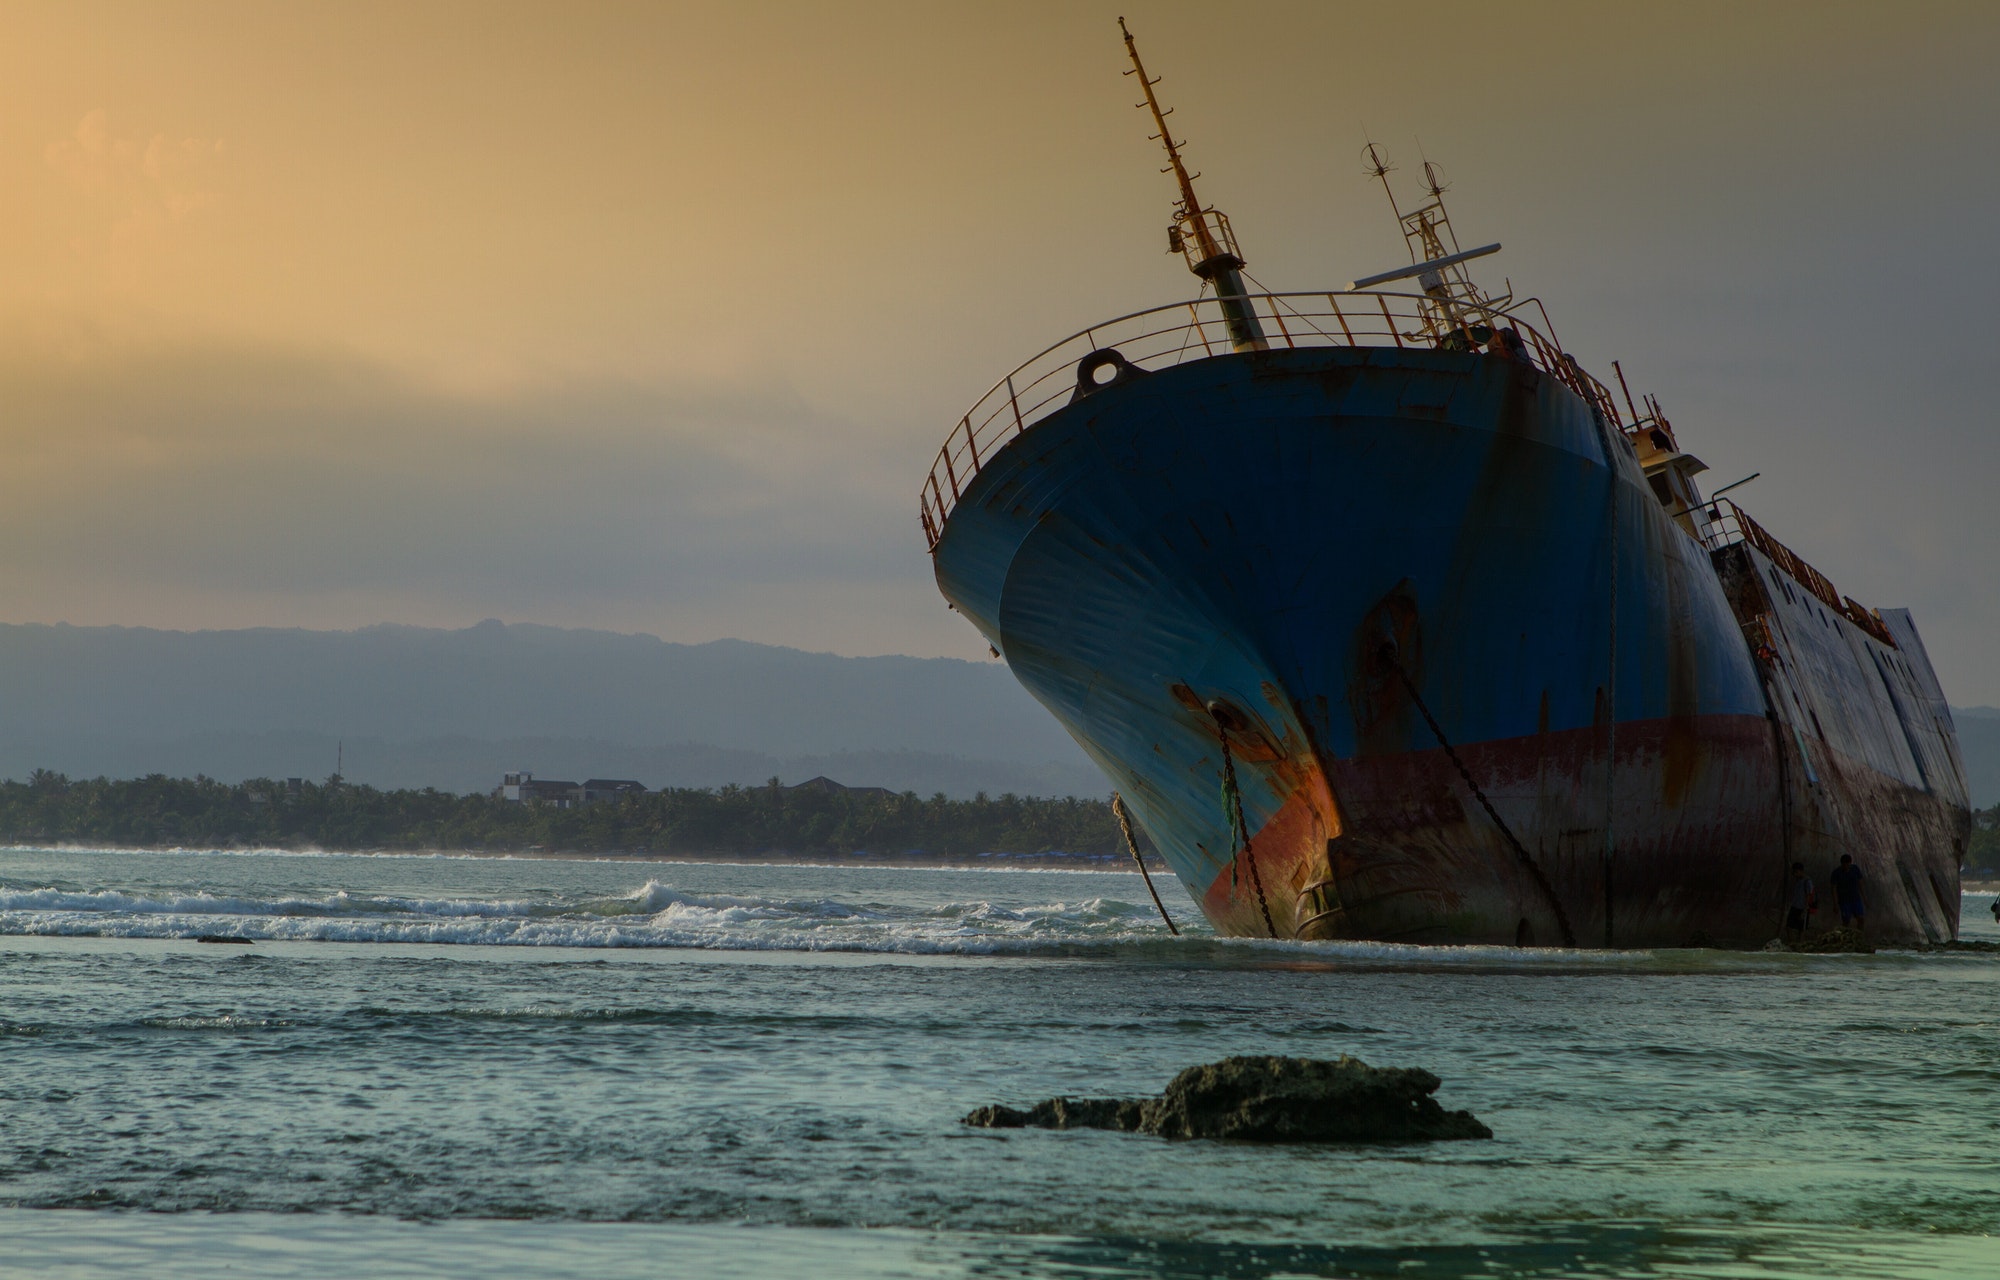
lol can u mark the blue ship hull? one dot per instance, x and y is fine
(1402, 585)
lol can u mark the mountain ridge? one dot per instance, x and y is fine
(428, 703)
(454, 708)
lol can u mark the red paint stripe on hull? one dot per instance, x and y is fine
(1700, 846)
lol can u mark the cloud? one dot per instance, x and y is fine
(215, 472)
(148, 184)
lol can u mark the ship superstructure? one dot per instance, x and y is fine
(1389, 621)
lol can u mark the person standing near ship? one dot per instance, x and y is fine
(1846, 881)
(1800, 905)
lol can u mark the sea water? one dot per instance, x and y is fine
(474, 1066)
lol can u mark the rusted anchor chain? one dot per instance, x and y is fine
(1520, 851)
(1232, 802)
(1132, 847)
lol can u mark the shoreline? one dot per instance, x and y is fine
(1095, 862)
(1098, 862)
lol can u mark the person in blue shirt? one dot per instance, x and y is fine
(1846, 882)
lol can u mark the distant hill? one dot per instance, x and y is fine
(420, 707)
(454, 709)
(1979, 743)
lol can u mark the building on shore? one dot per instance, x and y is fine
(595, 789)
(523, 787)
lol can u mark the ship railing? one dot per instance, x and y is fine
(1165, 336)
(1729, 525)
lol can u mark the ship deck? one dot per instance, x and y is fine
(1176, 333)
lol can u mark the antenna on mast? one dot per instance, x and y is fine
(1379, 169)
(1436, 260)
(1200, 234)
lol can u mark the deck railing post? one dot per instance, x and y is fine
(1194, 318)
(1541, 347)
(1018, 428)
(1341, 316)
(1278, 314)
(1389, 319)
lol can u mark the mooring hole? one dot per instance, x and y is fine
(1524, 933)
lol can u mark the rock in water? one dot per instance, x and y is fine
(1834, 941)
(1265, 1099)
(1273, 1099)
(1065, 1113)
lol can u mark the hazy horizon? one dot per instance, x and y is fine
(453, 708)
(359, 628)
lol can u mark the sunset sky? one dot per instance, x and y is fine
(650, 317)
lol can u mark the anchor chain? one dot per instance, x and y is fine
(1609, 860)
(1611, 719)
(1232, 803)
(1132, 847)
(1520, 851)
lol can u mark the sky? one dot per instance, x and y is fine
(651, 317)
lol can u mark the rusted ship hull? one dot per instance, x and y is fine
(1419, 614)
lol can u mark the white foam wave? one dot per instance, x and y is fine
(655, 914)
(220, 1022)
(620, 859)
(659, 914)
(201, 902)
(114, 900)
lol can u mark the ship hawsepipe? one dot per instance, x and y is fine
(1429, 612)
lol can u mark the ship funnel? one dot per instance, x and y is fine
(1199, 233)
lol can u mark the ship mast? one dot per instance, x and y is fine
(1201, 234)
(1436, 260)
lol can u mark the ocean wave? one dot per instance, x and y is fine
(218, 1022)
(550, 934)
(659, 914)
(655, 914)
(893, 868)
(201, 902)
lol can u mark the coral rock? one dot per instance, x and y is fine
(1265, 1099)
(1836, 940)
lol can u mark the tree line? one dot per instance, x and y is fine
(1983, 858)
(158, 811)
